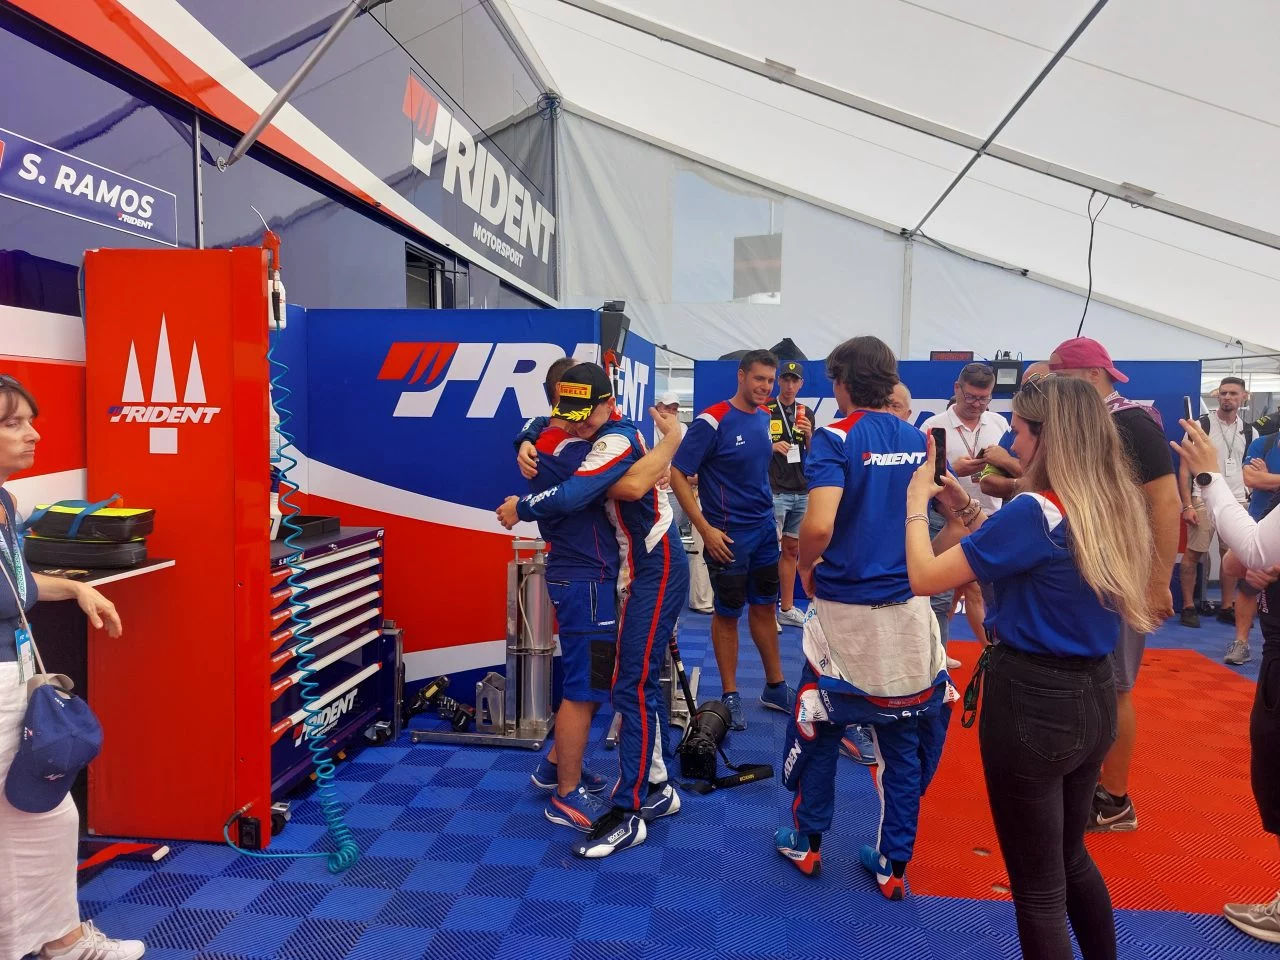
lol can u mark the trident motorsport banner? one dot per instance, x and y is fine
(48, 178)
(410, 422)
(932, 384)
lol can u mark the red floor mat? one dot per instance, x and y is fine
(1199, 842)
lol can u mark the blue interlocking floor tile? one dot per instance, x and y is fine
(608, 950)
(464, 945)
(483, 913)
(226, 893)
(252, 935)
(518, 946)
(392, 794)
(382, 942)
(401, 843)
(166, 889)
(417, 909)
(442, 796)
(499, 881)
(514, 852)
(200, 859)
(321, 939)
(625, 889)
(458, 862)
(257, 868)
(422, 819)
(607, 921)
(478, 823)
(185, 928)
(286, 898)
(372, 817)
(360, 904)
(435, 876)
(113, 883)
(547, 918)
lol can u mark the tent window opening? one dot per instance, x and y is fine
(726, 241)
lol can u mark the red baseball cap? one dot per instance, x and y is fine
(1081, 353)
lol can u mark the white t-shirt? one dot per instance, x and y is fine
(963, 443)
(1228, 440)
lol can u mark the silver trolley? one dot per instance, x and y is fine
(515, 710)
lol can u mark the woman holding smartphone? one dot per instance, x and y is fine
(1255, 555)
(1069, 559)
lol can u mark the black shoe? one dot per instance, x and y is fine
(1227, 615)
(616, 830)
(1189, 617)
(1111, 814)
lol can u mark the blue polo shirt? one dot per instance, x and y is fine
(870, 456)
(1261, 500)
(730, 451)
(1043, 605)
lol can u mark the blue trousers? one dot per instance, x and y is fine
(646, 621)
(908, 742)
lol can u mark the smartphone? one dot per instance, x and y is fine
(1187, 412)
(939, 453)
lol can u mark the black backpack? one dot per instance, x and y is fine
(1248, 431)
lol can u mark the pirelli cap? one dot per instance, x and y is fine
(792, 368)
(582, 388)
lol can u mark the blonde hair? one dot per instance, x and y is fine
(1080, 458)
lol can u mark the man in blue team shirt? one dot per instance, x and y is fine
(1000, 477)
(872, 650)
(653, 581)
(728, 448)
(1262, 477)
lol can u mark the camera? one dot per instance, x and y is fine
(701, 743)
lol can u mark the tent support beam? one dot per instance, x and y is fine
(1013, 111)
(959, 138)
(908, 260)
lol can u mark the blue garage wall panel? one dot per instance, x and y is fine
(65, 106)
(932, 384)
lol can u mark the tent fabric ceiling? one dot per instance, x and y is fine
(1175, 96)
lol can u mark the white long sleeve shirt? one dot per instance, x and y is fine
(1257, 545)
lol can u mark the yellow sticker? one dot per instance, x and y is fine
(576, 391)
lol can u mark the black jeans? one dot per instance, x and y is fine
(1045, 727)
(1264, 739)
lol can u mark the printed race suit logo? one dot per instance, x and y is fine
(428, 369)
(162, 407)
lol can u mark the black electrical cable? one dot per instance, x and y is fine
(1093, 222)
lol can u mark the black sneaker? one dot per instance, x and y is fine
(1190, 618)
(1227, 615)
(1108, 816)
(616, 830)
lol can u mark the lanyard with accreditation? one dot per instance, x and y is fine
(793, 451)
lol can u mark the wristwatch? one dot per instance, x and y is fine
(1204, 479)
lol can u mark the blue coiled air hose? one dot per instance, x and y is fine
(348, 851)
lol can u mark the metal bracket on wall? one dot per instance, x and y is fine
(353, 9)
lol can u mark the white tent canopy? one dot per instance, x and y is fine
(1174, 103)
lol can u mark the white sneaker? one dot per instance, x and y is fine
(953, 663)
(96, 945)
(791, 618)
